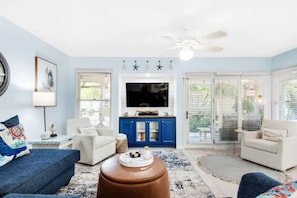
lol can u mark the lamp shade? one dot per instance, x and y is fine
(44, 99)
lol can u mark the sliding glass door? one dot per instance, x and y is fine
(226, 108)
(217, 105)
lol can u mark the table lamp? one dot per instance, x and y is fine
(44, 99)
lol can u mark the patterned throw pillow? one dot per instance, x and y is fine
(13, 143)
(13, 121)
(274, 134)
(88, 131)
(284, 190)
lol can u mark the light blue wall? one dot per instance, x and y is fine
(179, 68)
(286, 59)
(20, 48)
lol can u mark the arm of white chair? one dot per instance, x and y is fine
(288, 144)
(251, 135)
(105, 131)
(84, 142)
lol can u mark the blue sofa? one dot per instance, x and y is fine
(43, 171)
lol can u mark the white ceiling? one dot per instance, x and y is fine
(133, 28)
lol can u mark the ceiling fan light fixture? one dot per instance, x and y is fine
(186, 53)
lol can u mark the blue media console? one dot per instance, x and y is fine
(153, 131)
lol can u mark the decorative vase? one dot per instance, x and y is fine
(146, 153)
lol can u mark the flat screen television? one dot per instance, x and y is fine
(147, 94)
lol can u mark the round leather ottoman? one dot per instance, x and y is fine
(118, 181)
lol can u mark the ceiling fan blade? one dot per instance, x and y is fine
(176, 47)
(211, 48)
(170, 38)
(213, 35)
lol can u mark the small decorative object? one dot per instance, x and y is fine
(45, 136)
(146, 153)
(147, 65)
(124, 65)
(135, 67)
(159, 67)
(135, 154)
(170, 65)
(53, 129)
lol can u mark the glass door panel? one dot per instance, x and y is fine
(154, 131)
(140, 131)
(252, 104)
(199, 114)
(226, 109)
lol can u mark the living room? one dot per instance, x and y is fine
(20, 47)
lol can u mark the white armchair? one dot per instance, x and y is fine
(273, 146)
(94, 144)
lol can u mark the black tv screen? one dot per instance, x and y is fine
(147, 94)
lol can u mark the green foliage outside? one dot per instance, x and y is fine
(195, 121)
(89, 93)
(199, 121)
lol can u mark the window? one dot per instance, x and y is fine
(94, 98)
(286, 94)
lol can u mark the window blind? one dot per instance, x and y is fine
(285, 94)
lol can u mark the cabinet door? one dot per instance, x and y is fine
(153, 131)
(168, 131)
(141, 131)
(127, 126)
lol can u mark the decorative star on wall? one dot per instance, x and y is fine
(159, 67)
(135, 67)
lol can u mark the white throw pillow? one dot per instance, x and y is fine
(88, 131)
(273, 134)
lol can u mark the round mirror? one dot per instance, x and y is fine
(4, 74)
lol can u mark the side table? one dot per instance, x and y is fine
(239, 132)
(59, 142)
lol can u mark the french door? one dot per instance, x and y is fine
(217, 105)
(199, 109)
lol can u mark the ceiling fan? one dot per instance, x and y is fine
(188, 45)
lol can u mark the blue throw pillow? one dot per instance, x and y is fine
(13, 121)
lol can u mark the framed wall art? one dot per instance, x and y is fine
(45, 75)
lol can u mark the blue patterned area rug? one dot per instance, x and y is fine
(184, 180)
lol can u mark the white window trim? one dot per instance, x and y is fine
(288, 73)
(77, 89)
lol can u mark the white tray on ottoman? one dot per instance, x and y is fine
(128, 161)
